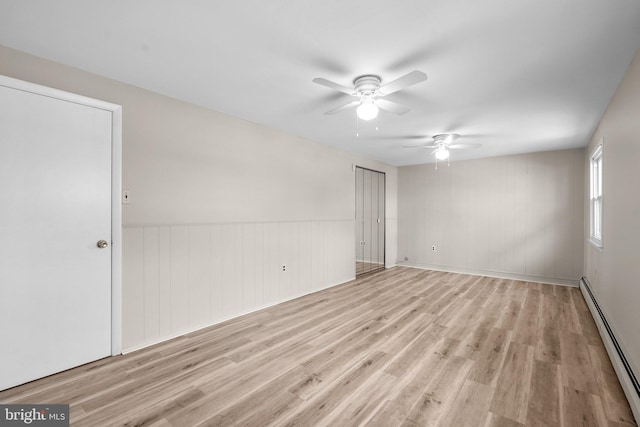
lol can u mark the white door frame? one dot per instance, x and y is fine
(116, 190)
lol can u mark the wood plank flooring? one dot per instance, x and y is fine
(402, 347)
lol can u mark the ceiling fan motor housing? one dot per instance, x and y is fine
(367, 85)
(445, 138)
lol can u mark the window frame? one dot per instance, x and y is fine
(596, 195)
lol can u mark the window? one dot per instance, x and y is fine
(596, 196)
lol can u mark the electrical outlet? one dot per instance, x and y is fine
(433, 248)
(284, 268)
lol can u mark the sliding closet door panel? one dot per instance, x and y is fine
(359, 227)
(381, 219)
(375, 238)
(367, 218)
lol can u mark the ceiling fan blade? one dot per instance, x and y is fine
(392, 107)
(465, 145)
(419, 146)
(402, 82)
(333, 85)
(409, 137)
(342, 108)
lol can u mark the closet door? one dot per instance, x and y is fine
(381, 221)
(374, 239)
(369, 221)
(359, 221)
(367, 235)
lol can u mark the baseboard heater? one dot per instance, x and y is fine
(629, 381)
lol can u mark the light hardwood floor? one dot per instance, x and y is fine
(402, 347)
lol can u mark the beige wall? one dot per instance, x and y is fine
(260, 196)
(614, 271)
(514, 216)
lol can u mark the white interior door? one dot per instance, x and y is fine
(55, 205)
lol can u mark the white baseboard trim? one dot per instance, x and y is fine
(626, 376)
(496, 274)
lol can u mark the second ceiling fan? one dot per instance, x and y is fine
(443, 143)
(369, 93)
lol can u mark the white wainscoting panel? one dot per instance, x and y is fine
(179, 278)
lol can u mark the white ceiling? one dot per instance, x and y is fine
(514, 75)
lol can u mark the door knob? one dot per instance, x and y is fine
(102, 244)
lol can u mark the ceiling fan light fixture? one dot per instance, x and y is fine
(367, 110)
(442, 153)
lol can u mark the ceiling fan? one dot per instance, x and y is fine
(443, 143)
(369, 93)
